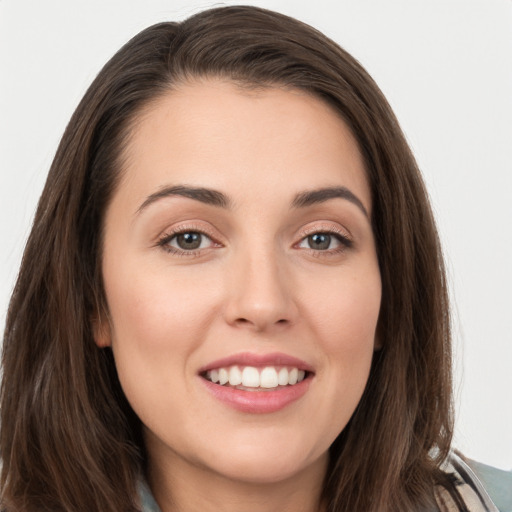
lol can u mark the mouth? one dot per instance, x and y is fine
(253, 378)
(255, 383)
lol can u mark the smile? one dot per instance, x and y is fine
(251, 378)
(257, 383)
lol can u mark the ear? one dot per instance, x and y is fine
(101, 332)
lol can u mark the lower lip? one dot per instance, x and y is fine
(258, 402)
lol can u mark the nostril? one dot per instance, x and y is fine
(244, 322)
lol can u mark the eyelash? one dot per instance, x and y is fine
(339, 235)
(166, 238)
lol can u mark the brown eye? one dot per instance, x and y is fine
(328, 242)
(188, 241)
(319, 241)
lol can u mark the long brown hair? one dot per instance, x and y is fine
(69, 440)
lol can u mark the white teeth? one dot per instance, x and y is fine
(235, 376)
(269, 377)
(223, 376)
(282, 377)
(251, 377)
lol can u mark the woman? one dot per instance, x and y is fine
(233, 294)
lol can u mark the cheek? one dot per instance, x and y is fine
(153, 310)
(345, 318)
(157, 321)
(345, 312)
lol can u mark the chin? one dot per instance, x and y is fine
(263, 467)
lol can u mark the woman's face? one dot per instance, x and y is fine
(238, 246)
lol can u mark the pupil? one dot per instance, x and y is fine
(189, 240)
(319, 241)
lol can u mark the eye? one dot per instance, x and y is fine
(324, 241)
(186, 241)
(318, 241)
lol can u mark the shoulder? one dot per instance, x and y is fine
(497, 482)
(468, 493)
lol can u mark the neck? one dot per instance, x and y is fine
(180, 486)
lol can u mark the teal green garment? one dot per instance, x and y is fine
(147, 501)
(497, 483)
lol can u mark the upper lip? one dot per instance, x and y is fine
(251, 359)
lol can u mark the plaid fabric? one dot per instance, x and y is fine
(469, 495)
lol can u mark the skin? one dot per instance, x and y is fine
(254, 285)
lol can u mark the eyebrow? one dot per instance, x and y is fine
(204, 195)
(321, 195)
(218, 199)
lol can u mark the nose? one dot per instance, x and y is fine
(261, 293)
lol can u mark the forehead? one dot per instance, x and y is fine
(217, 134)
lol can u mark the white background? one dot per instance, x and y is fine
(446, 68)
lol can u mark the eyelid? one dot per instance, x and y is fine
(331, 228)
(168, 234)
(343, 238)
(326, 227)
